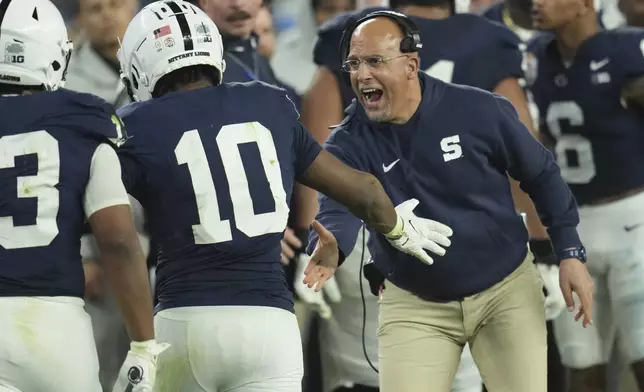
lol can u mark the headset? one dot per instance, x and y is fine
(411, 43)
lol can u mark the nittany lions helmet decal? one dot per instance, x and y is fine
(166, 36)
(34, 43)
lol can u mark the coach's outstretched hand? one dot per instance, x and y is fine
(412, 234)
(324, 259)
(574, 277)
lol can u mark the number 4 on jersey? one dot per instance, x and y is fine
(212, 229)
(442, 70)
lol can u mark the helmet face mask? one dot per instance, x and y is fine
(36, 47)
(164, 37)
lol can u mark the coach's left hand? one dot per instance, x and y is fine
(574, 277)
(324, 259)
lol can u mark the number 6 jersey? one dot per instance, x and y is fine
(598, 141)
(214, 169)
(55, 170)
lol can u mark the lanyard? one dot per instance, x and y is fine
(252, 74)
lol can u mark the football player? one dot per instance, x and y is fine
(589, 86)
(57, 169)
(213, 166)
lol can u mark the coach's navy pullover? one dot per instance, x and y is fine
(453, 156)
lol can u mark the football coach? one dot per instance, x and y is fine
(451, 148)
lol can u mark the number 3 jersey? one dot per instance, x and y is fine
(598, 141)
(55, 170)
(214, 170)
(464, 49)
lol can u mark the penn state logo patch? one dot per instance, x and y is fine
(135, 375)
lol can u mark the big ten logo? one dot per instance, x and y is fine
(451, 148)
(14, 52)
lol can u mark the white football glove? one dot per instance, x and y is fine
(314, 300)
(139, 370)
(412, 235)
(555, 302)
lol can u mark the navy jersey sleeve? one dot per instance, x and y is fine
(629, 46)
(306, 149)
(331, 214)
(530, 163)
(501, 57)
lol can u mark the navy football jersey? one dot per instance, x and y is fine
(463, 49)
(598, 142)
(214, 170)
(47, 142)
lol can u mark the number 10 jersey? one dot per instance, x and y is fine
(214, 170)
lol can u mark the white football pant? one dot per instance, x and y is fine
(46, 345)
(613, 235)
(229, 348)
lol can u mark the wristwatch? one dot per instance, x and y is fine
(578, 252)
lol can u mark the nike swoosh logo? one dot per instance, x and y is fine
(389, 166)
(595, 65)
(632, 227)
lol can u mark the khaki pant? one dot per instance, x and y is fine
(420, 342)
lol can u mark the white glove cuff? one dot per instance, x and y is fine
(397, 231)
(150, 347)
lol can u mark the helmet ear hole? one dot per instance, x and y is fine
(55, 65)
(135, 83)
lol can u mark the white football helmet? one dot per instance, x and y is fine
(166, 36)
(36, 47)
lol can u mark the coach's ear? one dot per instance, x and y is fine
(412, 66)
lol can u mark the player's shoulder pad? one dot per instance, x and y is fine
(624, 37)
(106, 124)
(87, 101)
(129, 109)
(327, 48)
(479, 100)
(266, 94)
(133, 115)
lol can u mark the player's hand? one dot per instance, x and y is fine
(574, 277)
(290, 243)
(139, 370)
(324, 259)
(418, 234)
(315, 300)
(555, 302)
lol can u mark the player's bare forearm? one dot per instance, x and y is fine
(305, 205)
(634, 92)
(510, 89)
(125, 268)
(360, 192)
